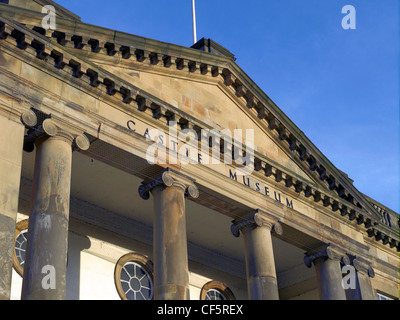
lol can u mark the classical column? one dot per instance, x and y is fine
(170, 257)
(47, 246)
(364, 273)
(327, 264)
(260, 264)
(11, 142)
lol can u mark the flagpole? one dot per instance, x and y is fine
(194, 22)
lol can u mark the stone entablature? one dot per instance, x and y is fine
(60, 57)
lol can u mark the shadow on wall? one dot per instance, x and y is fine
(76, 244)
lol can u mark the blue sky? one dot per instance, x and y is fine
(340, 87)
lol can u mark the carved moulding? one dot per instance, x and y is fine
(40, 125)
(258, 219)
(363, 266)
(330, 251)
(169, 178)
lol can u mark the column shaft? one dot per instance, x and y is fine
(11, 149)
(171, 273)
(260, 264)
(364, 273)
(262, 282)
(329, 278)
(365, 287)
(328, 269)
(46, 253)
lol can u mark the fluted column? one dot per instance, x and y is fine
(170, 257)
(260, 264)
(46, 253)
(327, 264)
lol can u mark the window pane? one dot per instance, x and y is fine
(136, 282)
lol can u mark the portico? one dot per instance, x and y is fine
(90, 124)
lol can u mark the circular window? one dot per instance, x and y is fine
(215, 290)
(133, 277)
(21, 238)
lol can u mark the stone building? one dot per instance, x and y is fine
(85, 214)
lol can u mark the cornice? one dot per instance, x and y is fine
(35, 42)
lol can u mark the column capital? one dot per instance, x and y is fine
(258, 219)
(29, 118)
(363, 266)
(169, 178)
(329, 251)
(50, 128)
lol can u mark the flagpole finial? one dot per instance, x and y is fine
(194, 22)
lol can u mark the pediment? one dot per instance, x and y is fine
(210, 88)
